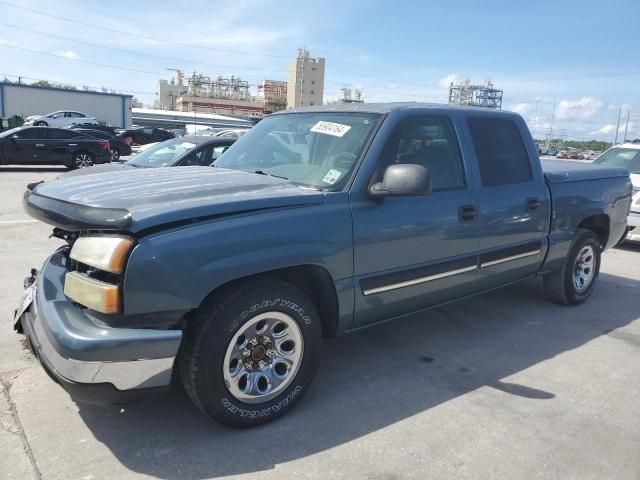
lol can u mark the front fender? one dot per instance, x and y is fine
(176, 270)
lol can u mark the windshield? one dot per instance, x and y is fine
(163, 154)
(628, 158)
(318, 150)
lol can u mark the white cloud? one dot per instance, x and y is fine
(610, 128)
(446, 81)
(605, 130)
(586, 107)
(70, 54)
(521, 108)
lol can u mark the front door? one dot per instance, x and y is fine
(26, 146)
(414, 252)
(514, 201)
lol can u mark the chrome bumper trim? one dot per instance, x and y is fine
(124, 375)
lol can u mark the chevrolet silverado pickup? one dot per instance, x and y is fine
(317, 222)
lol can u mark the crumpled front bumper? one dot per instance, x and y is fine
(95, 363)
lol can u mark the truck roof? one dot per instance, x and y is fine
(384, 108)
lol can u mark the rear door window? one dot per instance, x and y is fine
(500, 151)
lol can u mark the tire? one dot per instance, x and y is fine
(41, 124)
(82, 160)
(214, 365)
(115, 154)
(574, 282)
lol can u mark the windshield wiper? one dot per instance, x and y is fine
(262, 172)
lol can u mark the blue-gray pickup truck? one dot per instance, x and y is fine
(317, 222)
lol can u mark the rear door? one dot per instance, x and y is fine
(514, 214)
(62, 143)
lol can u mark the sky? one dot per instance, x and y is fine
(580, 55)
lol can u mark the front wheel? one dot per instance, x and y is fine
(115, 154)
(250, 352)
(575, 281)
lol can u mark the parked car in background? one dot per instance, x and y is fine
(627, 155)
(144, 135)
(177, 152)
(104, 128)
(183, 151)
(229, 278)
(60, 119)
(118, 146)
(52, 146)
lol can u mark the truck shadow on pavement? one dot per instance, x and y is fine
(372, 379)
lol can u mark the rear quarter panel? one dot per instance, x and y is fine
(575, 201)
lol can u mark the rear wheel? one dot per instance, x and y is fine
(575, 281)
(82, 160)
(251, 352)
(115, 154)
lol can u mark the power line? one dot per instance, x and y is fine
(384, 79)
(82, 61)
(187, 45)
(122, 32)
(131, 52)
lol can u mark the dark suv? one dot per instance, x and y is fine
(52, 146)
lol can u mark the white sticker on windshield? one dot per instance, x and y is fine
(330, 128)
(332, 176)
(187, 145)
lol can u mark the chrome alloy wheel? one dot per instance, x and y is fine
(263, 357)
(584, 269)
(84, 160)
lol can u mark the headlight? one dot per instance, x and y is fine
(104, 252)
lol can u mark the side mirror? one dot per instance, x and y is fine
(405, 179)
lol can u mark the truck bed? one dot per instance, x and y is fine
(557, 171)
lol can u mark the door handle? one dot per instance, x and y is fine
(532, 204)
(467, 213)
(73, 144)
(39, 144)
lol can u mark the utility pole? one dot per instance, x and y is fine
(626, 126)
(550, 131)
(615, 142)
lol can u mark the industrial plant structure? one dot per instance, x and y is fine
(475, 95)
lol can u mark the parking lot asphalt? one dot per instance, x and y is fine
(504, 385)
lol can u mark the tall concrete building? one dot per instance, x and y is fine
(305, 82)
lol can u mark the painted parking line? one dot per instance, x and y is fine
(12, 222)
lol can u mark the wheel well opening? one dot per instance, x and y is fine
(313, 280)
(598, 224)
(316, 282)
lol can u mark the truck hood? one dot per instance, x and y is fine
(134, 200)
